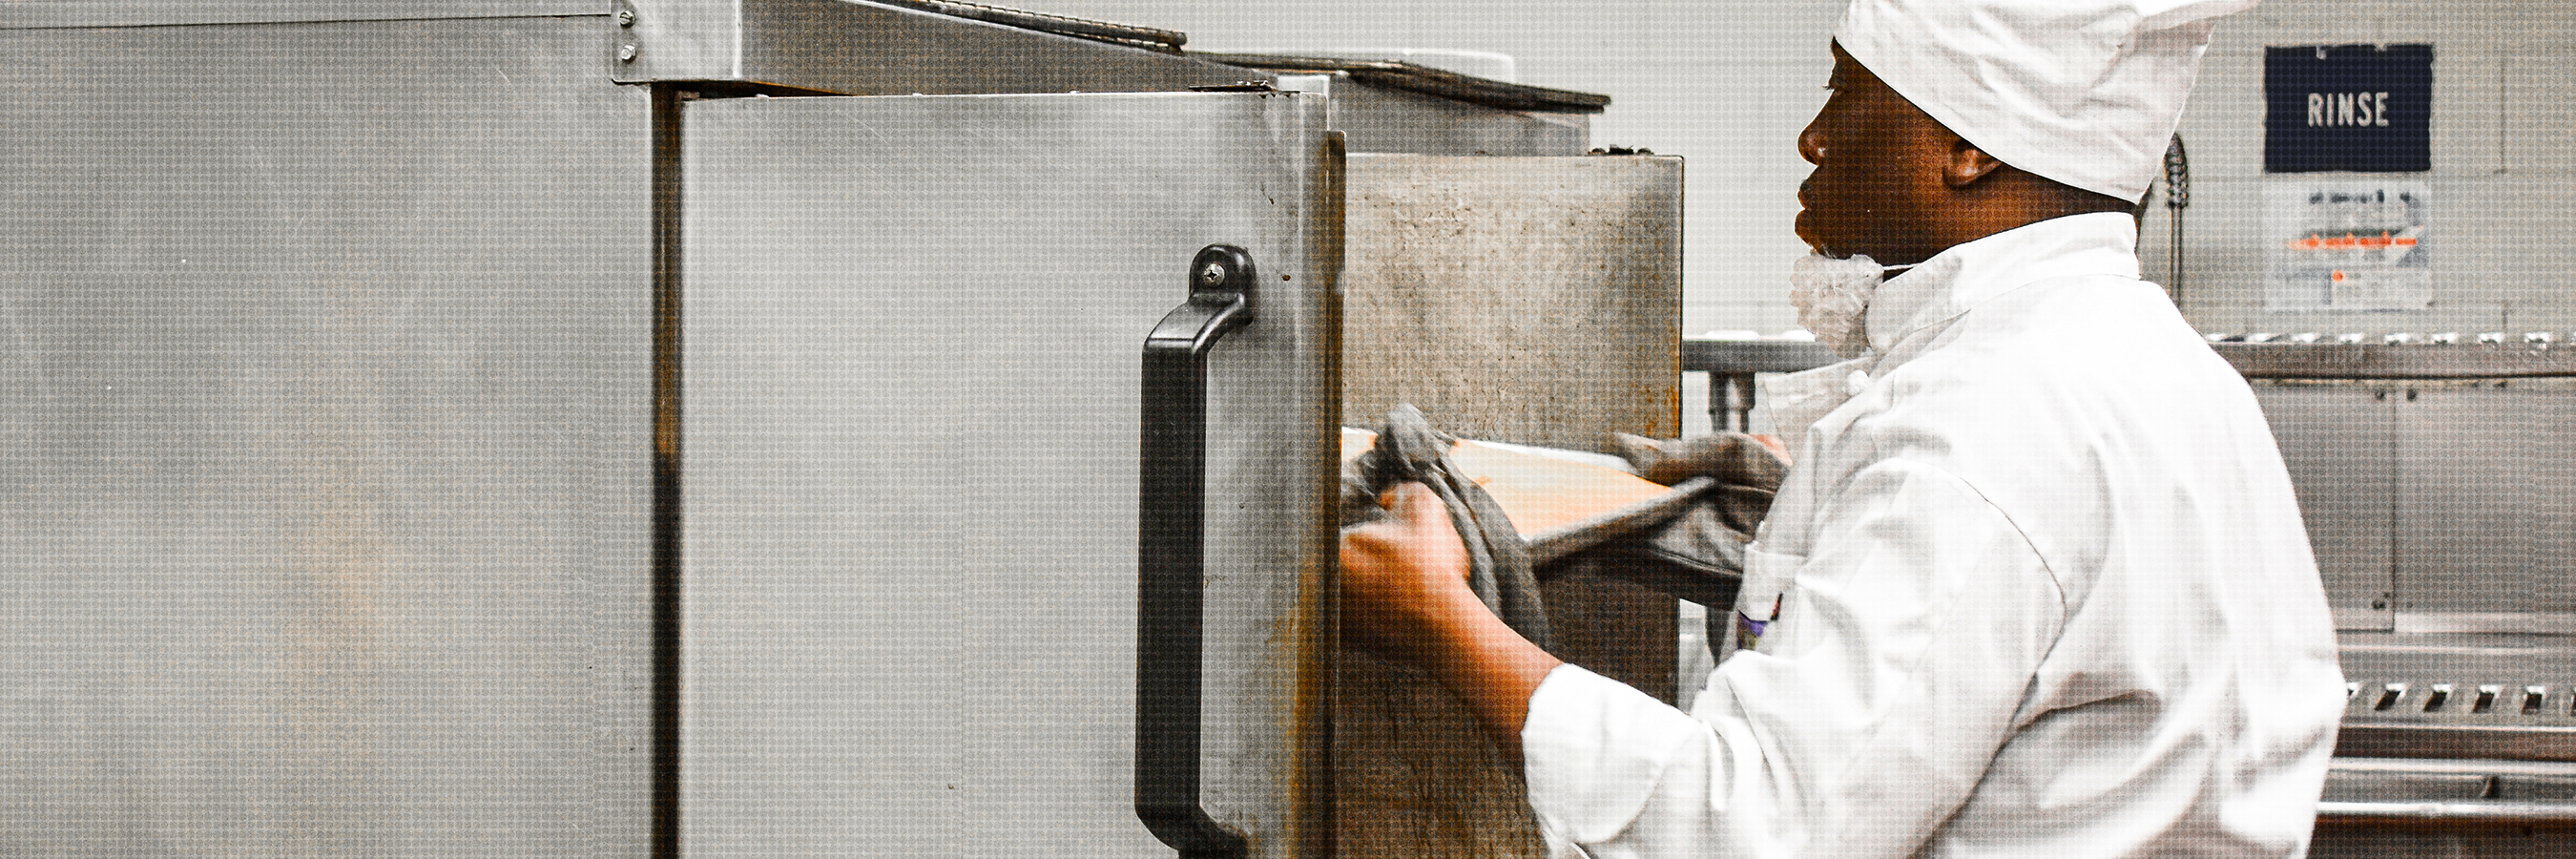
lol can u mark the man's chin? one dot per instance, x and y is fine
(1807, 235)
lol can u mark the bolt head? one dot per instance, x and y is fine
(626, 53)
(1213, 274)
(625, 17)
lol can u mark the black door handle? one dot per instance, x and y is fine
(1171, 554)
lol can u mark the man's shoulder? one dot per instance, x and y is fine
(2091, 341)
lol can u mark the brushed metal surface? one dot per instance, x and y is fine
(324, 398)
(2435, 505)
(2340, 443)
(913, 329)
(2483, 513)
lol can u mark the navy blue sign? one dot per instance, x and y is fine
(2363, 108)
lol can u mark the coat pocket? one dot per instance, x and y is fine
(1767, 578)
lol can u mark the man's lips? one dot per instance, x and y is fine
(1806, 212)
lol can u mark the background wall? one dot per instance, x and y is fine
(2504, 165)
(1728, 85)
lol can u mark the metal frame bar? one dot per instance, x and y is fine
(2478, 814)
(851, 47)
(1731, 364)
(2377, 792)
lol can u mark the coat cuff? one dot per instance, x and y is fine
(1594, 749)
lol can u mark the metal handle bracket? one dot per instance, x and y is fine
(1171, 553)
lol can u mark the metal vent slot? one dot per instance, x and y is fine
(2502, 704)
(2419, 718)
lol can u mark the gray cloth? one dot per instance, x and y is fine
(1498, 562)
(1688, 543)
(1734, 459)
(1699, 555)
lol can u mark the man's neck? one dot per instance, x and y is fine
(2012, 198)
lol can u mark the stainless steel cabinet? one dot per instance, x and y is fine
(490, 430)
(2433, 504)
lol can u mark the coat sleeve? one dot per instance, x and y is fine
(1901, 660)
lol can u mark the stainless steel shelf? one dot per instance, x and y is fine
(2398, 360)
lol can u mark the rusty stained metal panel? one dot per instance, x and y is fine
(1527, 300)
(1530, 300)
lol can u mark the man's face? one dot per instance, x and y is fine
(1878, 170)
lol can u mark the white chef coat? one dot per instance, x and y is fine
(2041, 589)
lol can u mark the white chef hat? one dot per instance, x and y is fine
(2086, 92)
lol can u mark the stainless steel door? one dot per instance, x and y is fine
(2432, 503)
(912, 339)
(2340, 443)
(2482, 507)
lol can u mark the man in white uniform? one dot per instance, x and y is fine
(2036, 585)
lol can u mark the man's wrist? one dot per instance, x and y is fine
(1492, 668)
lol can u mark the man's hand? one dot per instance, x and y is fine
(1400, 573)
(1405, 597)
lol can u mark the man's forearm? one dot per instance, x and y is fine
(1493, 669)
(1405, 597)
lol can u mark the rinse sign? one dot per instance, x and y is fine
(2358, 108)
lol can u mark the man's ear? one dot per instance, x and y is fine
(1968, 164)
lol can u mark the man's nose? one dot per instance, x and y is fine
(1811, 144)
